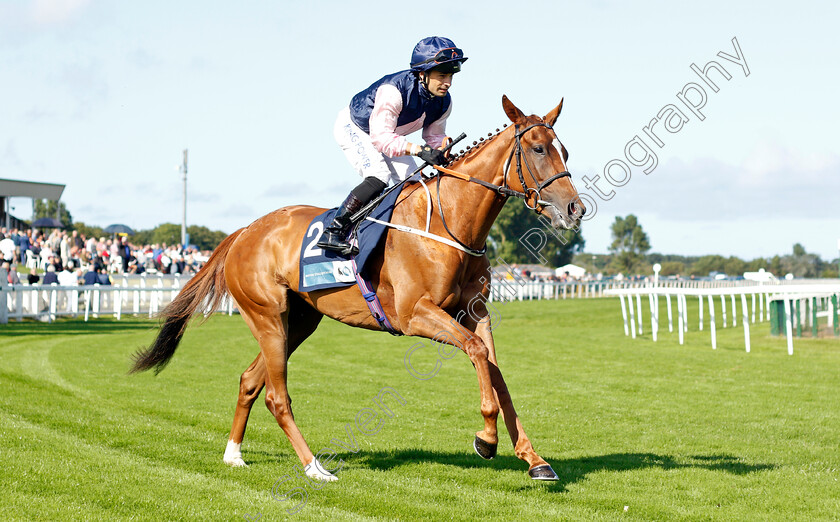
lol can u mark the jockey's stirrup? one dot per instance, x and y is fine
(335, 235)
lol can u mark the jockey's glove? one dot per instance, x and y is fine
(431, 156)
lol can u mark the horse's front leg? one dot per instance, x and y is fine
(430, 321)
(538, 468)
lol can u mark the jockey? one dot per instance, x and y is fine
(372, 130)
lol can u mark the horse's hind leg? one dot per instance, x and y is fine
(303, 320)
(250, 385)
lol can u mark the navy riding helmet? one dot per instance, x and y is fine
(437, 52)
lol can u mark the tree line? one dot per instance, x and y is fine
(628, 255)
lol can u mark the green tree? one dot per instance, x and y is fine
(708, 264)
(630, 242)
(758, 263)
(735, 266)
(204, 238)
(776, 266)
(46, 208)
(670, 268)
(515, 222)
(168, 233)
(88, 230)
(142, 237)
(801, 263)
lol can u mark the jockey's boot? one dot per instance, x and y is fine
(335, 236)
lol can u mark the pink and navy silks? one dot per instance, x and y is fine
(397, 105)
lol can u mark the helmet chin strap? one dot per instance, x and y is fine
(424, 81)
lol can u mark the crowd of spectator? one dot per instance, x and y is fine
(69, 258)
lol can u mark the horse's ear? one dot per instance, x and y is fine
(551, 117)
(511, 110)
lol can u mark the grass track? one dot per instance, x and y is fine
(673, 432)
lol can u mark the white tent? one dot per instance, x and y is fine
(761, 276)
(574, 271)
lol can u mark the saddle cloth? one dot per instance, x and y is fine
(321, 269)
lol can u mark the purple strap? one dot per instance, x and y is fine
(373, 302)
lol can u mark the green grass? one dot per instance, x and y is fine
(672, 432)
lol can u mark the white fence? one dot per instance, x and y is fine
(760, 297)
(521, 289)
(146, 295)
(138, 295)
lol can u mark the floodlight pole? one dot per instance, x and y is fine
(184, 208)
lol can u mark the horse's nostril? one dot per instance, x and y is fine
(576, 211)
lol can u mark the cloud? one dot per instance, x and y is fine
(9, 156)
(86, 84)
(194, 196)
(288, 190)
(142, 59)
(237, 210)
(772, 159)
(56, 12)
(772, 182)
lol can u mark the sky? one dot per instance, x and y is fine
(104, 97)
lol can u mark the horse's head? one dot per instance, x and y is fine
(540, 162)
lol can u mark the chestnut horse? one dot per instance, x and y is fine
(422, 284)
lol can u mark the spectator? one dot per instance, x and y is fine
(7, 248)
(124, 251)
(54, 240)
(12, 278)
(64, 249)
(33, 277)
(138, 266)
(16, 239)
(78, 242)
(25, 243)
(103, 277)
(165, 262)
(56, 262)
(90, 245)
(91, 277)
(66, 277)
(46, 254)
(50, 277)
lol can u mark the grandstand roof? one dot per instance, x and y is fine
(30, 189)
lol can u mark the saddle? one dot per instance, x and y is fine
(322, 269)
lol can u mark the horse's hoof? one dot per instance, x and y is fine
(316, 471)
(543, 472)
(235, 462)
(233, 455)
(484, 449)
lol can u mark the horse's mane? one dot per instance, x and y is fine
(464, 154)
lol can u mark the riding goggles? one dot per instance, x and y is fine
(449, 54)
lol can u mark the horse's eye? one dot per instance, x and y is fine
(539, 149)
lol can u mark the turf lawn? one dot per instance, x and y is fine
(635, 429)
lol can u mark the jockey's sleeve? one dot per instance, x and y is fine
(383, 121)
(435, 132)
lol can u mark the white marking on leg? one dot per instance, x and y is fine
(315, 470)
(233, 455)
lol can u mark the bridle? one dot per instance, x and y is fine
(505, 190)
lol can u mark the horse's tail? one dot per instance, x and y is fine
(207, 287)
